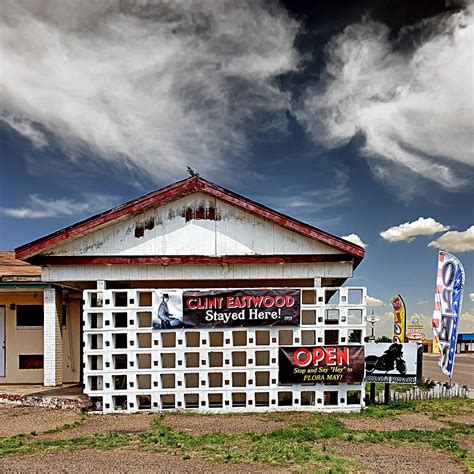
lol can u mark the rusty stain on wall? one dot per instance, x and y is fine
(140, 227)
(203, 211)
(189, 213)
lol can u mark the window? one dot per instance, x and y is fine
(353, 397)
(330, 398)
(354, 316)
(331, 337)
(31, 361)
(29, 316)
(332, 316)
(332, 297)
(355, 296)
(355, 336)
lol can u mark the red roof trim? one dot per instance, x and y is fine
(174, 192)
(190, 259)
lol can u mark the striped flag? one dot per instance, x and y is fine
(447, 308)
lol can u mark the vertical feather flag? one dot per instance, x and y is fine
(399, 319)
(447, 308)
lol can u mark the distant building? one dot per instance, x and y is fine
(427, 346)
(465, 343)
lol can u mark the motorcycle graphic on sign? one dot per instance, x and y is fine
(391, 359)
(393, 362)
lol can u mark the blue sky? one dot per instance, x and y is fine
(355, 120)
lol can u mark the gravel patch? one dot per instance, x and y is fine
(118, 462)
(15, 420)
(383, 458)
(234, 424)
(466, 418)
(409, 421)
(104, 425)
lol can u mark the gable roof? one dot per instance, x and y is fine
(173, 192)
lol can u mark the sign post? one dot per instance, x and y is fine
(386, 397)
(372, 319)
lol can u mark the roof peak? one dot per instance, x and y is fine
(173, 192)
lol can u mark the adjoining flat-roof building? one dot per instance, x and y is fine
(22, 324)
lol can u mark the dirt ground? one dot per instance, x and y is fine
(377, 457)
(119, 462)
(409, 421)
(229, 425)
(15, 420)
(103, 425)
(467, 418)
(383, 458)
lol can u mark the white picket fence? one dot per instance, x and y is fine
(440, 390)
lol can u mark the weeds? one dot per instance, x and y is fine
(302, 445)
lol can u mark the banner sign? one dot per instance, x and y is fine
(393, 362)
(447, 308)
(344, 364)
(399, 319)
(231, 308)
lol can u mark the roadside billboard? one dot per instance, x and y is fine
(415, 331)
(342, 364)
(393, 362)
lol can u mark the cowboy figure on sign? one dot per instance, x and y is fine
(164, 314)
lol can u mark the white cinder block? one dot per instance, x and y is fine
(128, 366)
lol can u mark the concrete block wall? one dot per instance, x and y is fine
(129, 366)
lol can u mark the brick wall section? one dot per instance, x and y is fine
(53, 345)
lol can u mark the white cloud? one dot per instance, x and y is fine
(466, 322)
(38, 207)
(414, 109)
(150, 86)
(336, 192)
(355, 239)
(471, 296)
(374, 301)
(409, 230)
(422, 302)
(455, 241)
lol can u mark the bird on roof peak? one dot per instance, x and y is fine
(192, 173)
